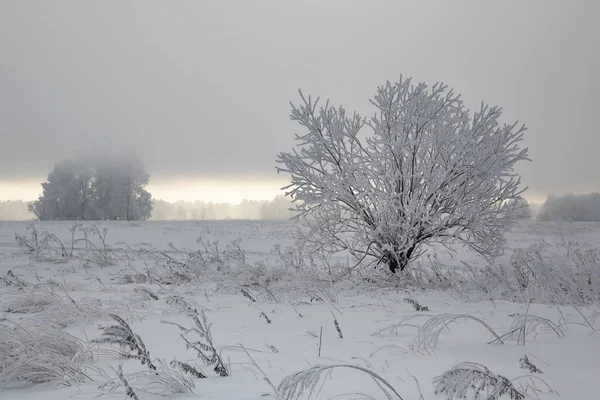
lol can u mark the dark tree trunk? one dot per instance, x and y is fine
(398, 261)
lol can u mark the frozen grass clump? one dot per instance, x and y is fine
(29, 302)
(291, 278)
(563, 274)
(164, 382)
(37, 353)
(278, 284)
(526, 325)
(474, 381)
(54, 309)
(568, 276)
(292, 387)
(429, 333)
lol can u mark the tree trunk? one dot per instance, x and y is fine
(399, 260)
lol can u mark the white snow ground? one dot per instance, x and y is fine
(42, 284)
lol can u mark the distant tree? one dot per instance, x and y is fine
(522, 207)
(66, 193)
(431, 171)
(130, 201)
(88, 189)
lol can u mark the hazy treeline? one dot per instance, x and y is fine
(571, 207)
(181, 210)
(14, 210)
(200, 210)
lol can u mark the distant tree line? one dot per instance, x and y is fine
(110, 188)
(14, 210)
(571, 207)
(278, 208)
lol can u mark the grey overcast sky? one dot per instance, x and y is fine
(200, 89)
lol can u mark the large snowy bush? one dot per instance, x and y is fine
(430, 170)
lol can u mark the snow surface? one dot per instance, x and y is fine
(570, 363)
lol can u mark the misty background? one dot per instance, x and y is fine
(200, 90)
(278, 208)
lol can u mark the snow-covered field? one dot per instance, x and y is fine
(273, 310)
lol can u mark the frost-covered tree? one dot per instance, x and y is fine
(66, 193)
(95, 189)
(430, 171)
(129, 199)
